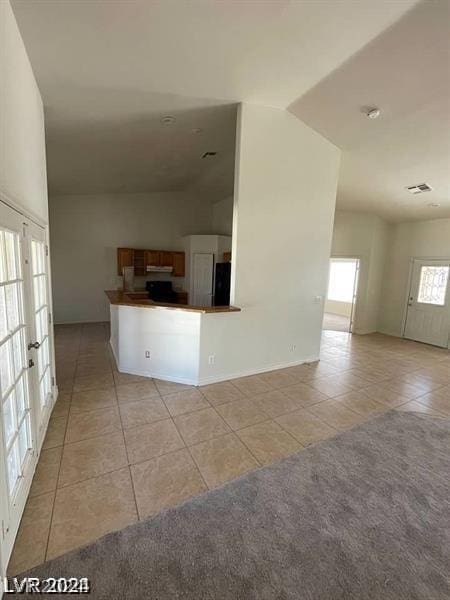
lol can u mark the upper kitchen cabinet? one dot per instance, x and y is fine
(125, 258)
(166, 258)
(153, 258)
(178, 264)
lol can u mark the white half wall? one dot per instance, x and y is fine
(418, 239)
(23, 175)
(285, 191)
(363, 236)
(86, 230)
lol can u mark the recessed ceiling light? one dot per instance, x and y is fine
(419, 188)
(168, 120)
(434, 204)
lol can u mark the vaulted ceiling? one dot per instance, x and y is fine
(110, 71)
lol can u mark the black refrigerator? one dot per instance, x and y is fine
(222, 284)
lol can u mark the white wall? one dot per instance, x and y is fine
(223, 216)
(23, 177)
(171, 336)
(420, 239)
(23, 186)
(365, 236)
(285, 190)
(86, 231)
(336, 307)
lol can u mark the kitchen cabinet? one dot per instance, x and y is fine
(125, 258)
(178, 264)
(153, 258)
(166, 258)
(140, 259)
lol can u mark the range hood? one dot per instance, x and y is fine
(158, 269)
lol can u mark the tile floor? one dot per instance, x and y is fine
(120, 448)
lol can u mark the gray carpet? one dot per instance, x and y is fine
(364, 515)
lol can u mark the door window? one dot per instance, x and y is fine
(13, 367)
(39, 275)
(433, 285)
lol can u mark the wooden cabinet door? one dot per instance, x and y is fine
(178, 264)
(166, 259)
(125, 258)
(153, 258)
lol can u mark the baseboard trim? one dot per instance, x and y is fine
(248, 372)
(201, 381)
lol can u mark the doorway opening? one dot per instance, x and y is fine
(428, 307)
(341, 296)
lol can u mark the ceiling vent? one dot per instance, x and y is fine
(419, 188)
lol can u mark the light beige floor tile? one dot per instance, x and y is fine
(438, 400)
(92, 457)
(171, 387)
(165, 481)
(55, 433)
(276, 403)
(62, 406)
(151, 440)
(144, 411)
(306, 427)
(31, 542)
(93, 400)
(65, 384)
(241, 413)
(300, 372)
(93, 382)
(85, 511)
(200, 425)
(222, 459)
(221, 393)
(336, 415)
(304, 395)
(125, 378)
(184, 402)
(132, 392)
(268, 442)
(47, 469)
(251, 385)
(331, 386)
(96, 369)
(385, 395)
(411, 392)
(415, 406)
(361, 404)
(85, 425)
(322, 369)
(279, 379)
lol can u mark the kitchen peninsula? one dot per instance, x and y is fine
(160, 340)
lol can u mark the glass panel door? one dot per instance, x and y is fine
(40, 316)
(14, 390)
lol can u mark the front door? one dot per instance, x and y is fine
(428, 316)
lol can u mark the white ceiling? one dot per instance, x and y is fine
(405, 72)
(108, 72)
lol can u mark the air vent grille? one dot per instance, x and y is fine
(419, 188)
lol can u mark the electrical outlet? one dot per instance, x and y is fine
(212, 359)
(293, 347)
(147, 354)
